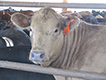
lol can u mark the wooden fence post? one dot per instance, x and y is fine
(64, 9)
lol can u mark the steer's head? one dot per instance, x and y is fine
(47, 35)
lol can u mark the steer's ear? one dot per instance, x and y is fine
(71, 23)
(75, 21)
(20, 20)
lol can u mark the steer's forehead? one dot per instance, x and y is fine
(51, 24)
(44, 14)
(45, 18)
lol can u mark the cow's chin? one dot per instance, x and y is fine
(36, 62)
(44, 64)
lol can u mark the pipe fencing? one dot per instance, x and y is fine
(48, 70)
(54, 5)
(54, 71)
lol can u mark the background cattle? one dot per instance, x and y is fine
(18, 36)
(96, 17)
(6, 14)
(19, 54)
(15, 46)
(83, 15)
(90, 19)
(96, 13)
(67, 43)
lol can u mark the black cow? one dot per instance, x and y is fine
(6, 42)
(101, 19)
(95, 13)
(18, 52)
(90, 19)
(18, 36)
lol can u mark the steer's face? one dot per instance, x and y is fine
(47, 37)
(47, 34)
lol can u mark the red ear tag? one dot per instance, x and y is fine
(67, 29)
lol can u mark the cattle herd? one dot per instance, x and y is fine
(67, 40)
(15, 45)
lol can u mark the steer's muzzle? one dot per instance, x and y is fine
(36, 56)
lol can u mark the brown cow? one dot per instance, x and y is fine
(7, 15)
(82, 48)
(69, 14)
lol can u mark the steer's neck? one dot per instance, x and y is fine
(76, 44)
(72, 53)
(74, 47)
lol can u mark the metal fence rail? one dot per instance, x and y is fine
(54, 5)
(55, 71)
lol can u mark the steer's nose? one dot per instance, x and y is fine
(37, 56)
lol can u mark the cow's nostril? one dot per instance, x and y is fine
(42, 55)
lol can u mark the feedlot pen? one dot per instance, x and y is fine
(48, 70)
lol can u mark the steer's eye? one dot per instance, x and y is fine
(56, 30)
(30, 29)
